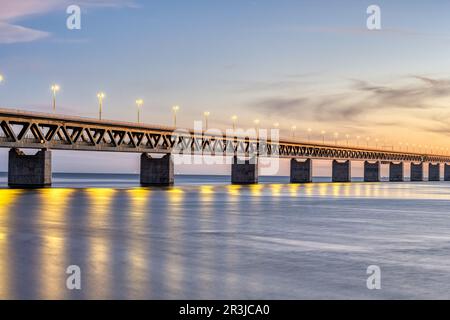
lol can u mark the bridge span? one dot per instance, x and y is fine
(46, 132)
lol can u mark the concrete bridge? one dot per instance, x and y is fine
(46, 132)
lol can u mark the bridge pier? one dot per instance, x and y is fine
(157, 171)
(301, 171)
(396, 172)
(372, 171)
(416, 171)
(434, 172)
(446, 172)
(244, 171)
(341, 171)
(29, 171)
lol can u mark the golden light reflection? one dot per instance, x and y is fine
(255, 189)
(276, 189)
(138, 269)
(100, 251)
(174, 228)
(7, 199)
(53, 256)
(234, 190)
(293, 189)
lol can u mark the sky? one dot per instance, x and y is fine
(310, 64)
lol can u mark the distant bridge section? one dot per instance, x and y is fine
(32, 130)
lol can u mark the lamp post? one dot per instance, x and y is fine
(55, 88)
(293, 128)
(139, 103)
(206, 114)
(234, 119)
(256, 122)
(336, 135)
(309, 135)
(367, 140)
(175, 110)
(100, 97)
(347, 136)
(357, 140)
(323, 136)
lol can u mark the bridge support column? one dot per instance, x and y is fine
(434, 172)
(416, 171)
(301, 171)
(157, 171)
(446, 172)
(29, 171)
(396, 172)
(372, 171)
(341, 171)
(244, 171)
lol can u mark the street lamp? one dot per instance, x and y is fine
(323, 136)
(347, 136)
(100, 97)
(206, 114)
(175, 110)
(139, 103)
(357, 140)
(309, 135)
(293, 128)
(55, 88)
(336, 135)
(234, 119)
(368, 139)
(256, 122)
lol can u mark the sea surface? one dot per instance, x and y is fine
(207, 239)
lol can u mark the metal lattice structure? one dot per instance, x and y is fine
(30, 130)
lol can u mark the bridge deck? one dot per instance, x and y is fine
(33, 130)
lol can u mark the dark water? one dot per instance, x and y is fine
(206, 239)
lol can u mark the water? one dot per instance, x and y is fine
(205, 239)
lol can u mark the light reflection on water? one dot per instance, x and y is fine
(224, 241)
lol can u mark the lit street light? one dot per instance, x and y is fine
(55, 88)
(256, 122)
(234, 119)
(175, 110)
(206, 114)
(139, 103)
(1, 78)
(293, 131)
(100, 97)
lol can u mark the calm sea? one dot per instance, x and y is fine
(206, 239)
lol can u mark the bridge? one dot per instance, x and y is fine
(46, 132)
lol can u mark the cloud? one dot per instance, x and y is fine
(13, 11)
(360, 100)
(12, 34)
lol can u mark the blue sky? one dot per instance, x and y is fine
(304, 63)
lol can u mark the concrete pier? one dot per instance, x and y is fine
(372, 171)
(301, 171)
(157, 171)
(434, 172)
(396, 172)
(341, 171)
(417, 171)
(244, 171)
(446, 172)
(29, 171)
